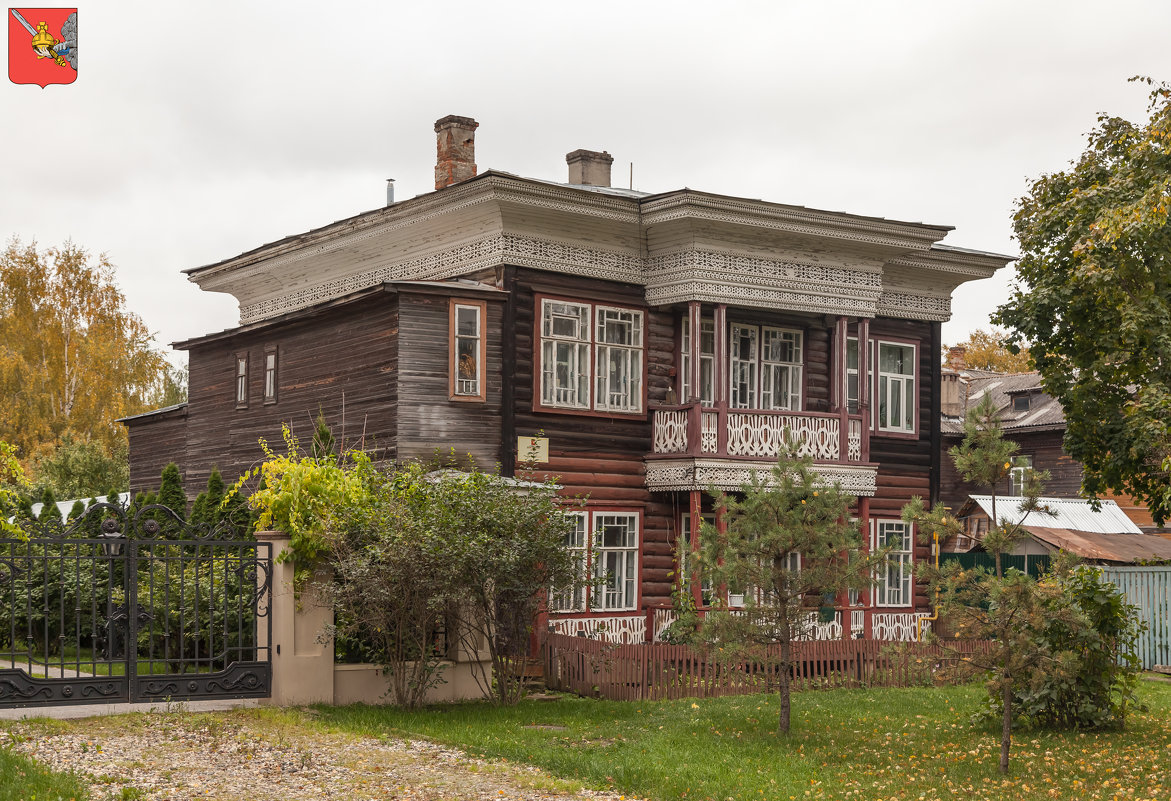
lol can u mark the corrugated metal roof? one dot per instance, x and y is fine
(1104, 547)
(1068, 513)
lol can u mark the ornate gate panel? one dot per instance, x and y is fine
(142, 608)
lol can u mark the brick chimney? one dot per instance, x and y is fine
(455, 150)
(956, 357)
(589, 167)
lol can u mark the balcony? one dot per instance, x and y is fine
(694, 447)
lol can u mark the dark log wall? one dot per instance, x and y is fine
(156, 441)
(429, 424)
(341, 362)
(904, 464)
(596, 456)
(1044, 446)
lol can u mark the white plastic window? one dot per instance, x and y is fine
(468, 330)
(896, 387)
(893, 587)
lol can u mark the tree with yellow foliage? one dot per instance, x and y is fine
(73, 359)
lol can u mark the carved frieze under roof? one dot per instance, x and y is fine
(863, 267)
(728, 474)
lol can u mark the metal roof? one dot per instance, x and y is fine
(1104, 547)
(1075, 514)
(1043, 411)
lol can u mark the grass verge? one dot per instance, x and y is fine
(845, 744)
(23, 779)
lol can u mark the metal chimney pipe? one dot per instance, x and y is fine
(390, 191)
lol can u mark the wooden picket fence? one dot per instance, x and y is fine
(656, 671)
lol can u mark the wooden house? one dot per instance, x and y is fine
(643, 347)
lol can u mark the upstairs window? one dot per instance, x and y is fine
(591, 357)
(765, 368)
(1021, 403)
(896, 388)
(1018, 474)
(241, 380)
(707, 362)
(270, 366)
(468, 349)
(852, 395)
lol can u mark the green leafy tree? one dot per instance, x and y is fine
(789, 542)
(1094, 302)
(76, 467)
(13, 489)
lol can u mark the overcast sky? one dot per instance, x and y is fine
(197, 131)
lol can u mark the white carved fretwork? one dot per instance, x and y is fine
(709, 438)
(670, 431)
(625, 630)
(854, 441)
(814, 629)
(762, 436)
(914, 307)
(663, 618)
(730, 474)
(899, 626)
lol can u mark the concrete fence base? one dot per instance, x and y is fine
(303, 669)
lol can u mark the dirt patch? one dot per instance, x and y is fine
(266, 756)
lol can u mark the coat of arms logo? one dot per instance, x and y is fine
(42, 45)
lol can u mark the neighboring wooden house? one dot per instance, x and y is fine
(1031, 419)
(1101, 536)
(649, 346)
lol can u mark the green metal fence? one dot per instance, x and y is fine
(1034, 565)
(1148, 588)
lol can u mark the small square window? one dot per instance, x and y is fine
(1021, 403)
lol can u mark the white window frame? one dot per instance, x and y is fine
(1018, 474)
(899, 563)
(575, 366)
(686, 578)
(241, 380)
(707, 361)
(609, 584)
(462, 388)
(577, 543)
(854, 389)
(889, 386)
(621, 390)
(747, 373)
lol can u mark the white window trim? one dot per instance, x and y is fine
(797, 369)
(241, 371)
(467, 388)
(756, 393)
(574, 600)
(1018, 474)
(594, 585)
(904, 558)
(589, 353)
(899, 378)
(707, 389)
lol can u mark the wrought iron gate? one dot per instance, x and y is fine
(142, 607)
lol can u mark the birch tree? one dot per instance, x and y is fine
(73, 358)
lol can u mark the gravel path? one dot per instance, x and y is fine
(247, 755)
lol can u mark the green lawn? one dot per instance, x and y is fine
(22, 779)
(845, 744)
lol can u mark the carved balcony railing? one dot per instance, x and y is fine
(692, 430)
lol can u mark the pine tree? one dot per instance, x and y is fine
(323, 443)
(49, 511)
(76, 511)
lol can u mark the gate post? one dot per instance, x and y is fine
(302, 665)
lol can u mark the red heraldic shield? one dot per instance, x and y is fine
(42, 45)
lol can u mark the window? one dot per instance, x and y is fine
(893, 586)
(896, 387)
(584, 346)
(607, 562)
(1020, 403)
(777, 361)
(467, 349)
(852, 395)
(707, 362)
(1018, 474)
(270, 384)
(241, 380)
(574, 599)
